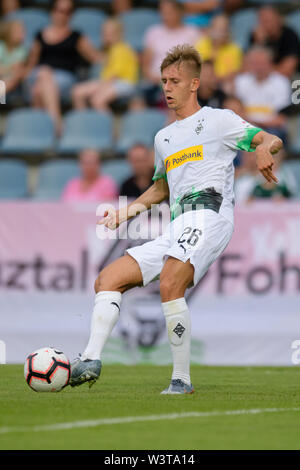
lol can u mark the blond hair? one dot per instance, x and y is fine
(183, 54)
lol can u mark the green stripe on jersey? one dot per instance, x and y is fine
(159, 175)
(245, 142)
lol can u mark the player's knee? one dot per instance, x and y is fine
(105, 281)
(170, 288)
(99, 283)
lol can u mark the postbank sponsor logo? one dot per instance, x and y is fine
(190, 154)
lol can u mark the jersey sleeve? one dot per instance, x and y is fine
(159, 166)
(236, 133)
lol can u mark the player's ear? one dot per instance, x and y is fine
(195, 83)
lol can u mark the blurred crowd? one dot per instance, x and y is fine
(61, 68)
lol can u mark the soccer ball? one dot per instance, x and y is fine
(47, 370)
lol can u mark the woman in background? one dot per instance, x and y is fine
(118, 76)
(217, 47)
(12, 54)
(54, 59)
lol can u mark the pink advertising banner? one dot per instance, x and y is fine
(50, 256)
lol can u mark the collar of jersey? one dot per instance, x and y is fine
(182, 122)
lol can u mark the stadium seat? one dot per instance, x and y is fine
(242, 23)
(135, 22)
(293, 20)
(294, 167)
(89, 21)
(52, 178)
(33, 19)
(140, 127)
(118, 169)
(28, 131)
(13, 179)
(86, 129)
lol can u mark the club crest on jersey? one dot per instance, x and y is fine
(199, 127)
(190, 154)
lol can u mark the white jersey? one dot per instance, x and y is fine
(198, 152)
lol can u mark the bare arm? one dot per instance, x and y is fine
(88, 51)
(287, 66)
(158, 192)
(266, 145)
(16, 77)
(146, 61)
(33, 58)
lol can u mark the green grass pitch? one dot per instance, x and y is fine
(131, 391)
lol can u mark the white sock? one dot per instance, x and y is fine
(105, 316)
(179, 333)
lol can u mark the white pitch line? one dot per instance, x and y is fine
(136, 419)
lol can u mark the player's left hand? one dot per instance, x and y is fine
(265, 162)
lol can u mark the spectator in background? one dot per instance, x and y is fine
(284, 189)
(264, 92)
(162, 37)
(12, 54)
(209, 92)
(282, 40)
(200, 12)
(217, 47)
(118, 76)
(92, 186)
(54, 59)
(9, 6)
(141, 162)
(137, 102)
(120, 6)
(235, 105)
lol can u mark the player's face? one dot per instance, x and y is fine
(178, 85)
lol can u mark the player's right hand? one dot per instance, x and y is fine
(265, 162)
(110, 219)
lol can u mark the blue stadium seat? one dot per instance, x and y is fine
(135, 22)
(294, 167)
(89, 21)
(33, 19)
(28, 131)
(293, 20)
(242, 24)
(86, 129)
(140, 127)
(13, 179)
(119, 169)
(53, 177)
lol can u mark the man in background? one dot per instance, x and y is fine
(141, 162)
(281, 39)
(263, 91)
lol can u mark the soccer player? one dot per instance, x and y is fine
(194, 169)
